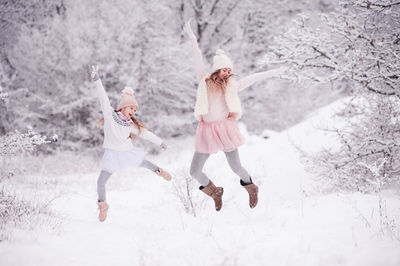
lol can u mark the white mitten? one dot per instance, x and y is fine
(94, 74)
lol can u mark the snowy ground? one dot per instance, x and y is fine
(293, 223)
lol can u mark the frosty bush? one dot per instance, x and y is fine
(16, 142)
(368, 157)
(357, 43)
(184, 189)
(18, 213)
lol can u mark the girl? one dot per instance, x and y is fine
(120, 129)
(218, 108)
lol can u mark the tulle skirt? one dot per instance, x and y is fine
(222, 135)
(114, 161)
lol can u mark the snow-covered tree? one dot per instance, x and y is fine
(358, 43)
(22, 13)
(245, 30)
(130, 42)
(139, 44)
(368, 157)
(244, 27)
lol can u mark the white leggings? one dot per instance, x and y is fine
(199, 159)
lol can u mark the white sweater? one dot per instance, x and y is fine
(117, 131)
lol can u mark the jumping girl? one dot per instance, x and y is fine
(120, 129)
(218, 108)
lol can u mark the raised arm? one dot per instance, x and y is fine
(196, 52)
(100, 91)
(251, 79)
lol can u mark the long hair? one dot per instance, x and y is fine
(139, 124)
(214, 78)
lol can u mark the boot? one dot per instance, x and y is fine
(253, 192)
(164, 174)
(215, 193)
(103, 208)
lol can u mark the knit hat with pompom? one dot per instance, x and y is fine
(127, 99)
(220, 60)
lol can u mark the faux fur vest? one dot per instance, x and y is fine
(231, 98)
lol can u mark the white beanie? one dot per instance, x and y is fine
(127, 99)
(220, 61)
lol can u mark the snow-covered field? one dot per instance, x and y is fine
(293, 224)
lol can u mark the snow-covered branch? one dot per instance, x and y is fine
(358, 44)
(16, 142)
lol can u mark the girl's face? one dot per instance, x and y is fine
(129, 111)
(224, 73)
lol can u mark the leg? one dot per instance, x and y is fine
(236, 166)
(101, 185)
(207, 186)
(101, 190)
(149, 165)
(245, 179)
(159, 171)
(196, 168)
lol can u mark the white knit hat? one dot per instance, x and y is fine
(127, 99)
(220, 60)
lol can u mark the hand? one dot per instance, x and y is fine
(232, 115)
(94, 74)
(163, 146)
(188, 30)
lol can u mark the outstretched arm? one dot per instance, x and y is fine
(100, 91)
(198, 58)
(150, 136)
(251, 79)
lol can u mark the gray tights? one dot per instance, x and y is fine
(199, 159)
(104, 176)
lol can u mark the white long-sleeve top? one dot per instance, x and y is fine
(218, 108)
(117, 131)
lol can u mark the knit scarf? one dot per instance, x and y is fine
(123, 120)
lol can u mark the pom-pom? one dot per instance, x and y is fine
(219, 52)
(128, 90)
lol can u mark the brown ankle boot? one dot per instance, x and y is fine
(253, 192)
(215, 193)
(103, 208)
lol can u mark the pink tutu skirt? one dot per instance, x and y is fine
(222, 135)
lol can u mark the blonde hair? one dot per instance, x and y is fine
(139, 124)
(214, 79)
